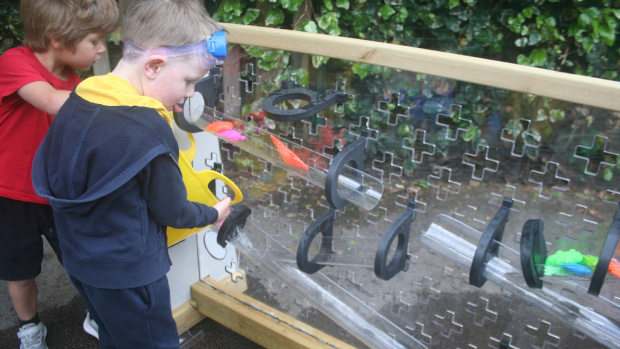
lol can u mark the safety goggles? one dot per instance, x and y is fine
(210, 53)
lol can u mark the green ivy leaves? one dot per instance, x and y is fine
(11, 28)
(575, 36)
(274, 17)
(329, 23)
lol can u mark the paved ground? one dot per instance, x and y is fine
(62, 311)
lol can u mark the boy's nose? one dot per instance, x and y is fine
(190, 92)
(101, 48)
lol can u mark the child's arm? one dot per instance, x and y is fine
(43, 96)
(166, 197)
(223, 209)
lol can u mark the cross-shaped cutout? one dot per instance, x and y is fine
(393, 107)
(616, 301)
(403, 200)
(453, 122)
(386, 167)
(418, 333)
(276, 228)
(508, 191)
(611, 196)
(444, 183)
(568, 289)
(520, 137)
(313, 124)
(480, 162)
(596, 155)
(230, 150)
(233, 270)
(419, 146)
(469, 215)
(549, 179)
(291, 135)
(504, 342)
(329, 142)
(306, 308)
(448, 324)
(398, 305)
(270, 209)
(217, 73)
(427, 291)
(341, 87)
(542, 335)
(230, 99)
(306, 218)
(515, 303)
(261, 169)
(249, 78)
(481, 313)
(351, 278)
(289, 191)
(350, 229)
(213, 162)
(364, 123)
(577, 222)
(455, 278)
(376, 215)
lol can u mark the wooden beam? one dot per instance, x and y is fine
(257, 321)
(187, 316)
(542, 82)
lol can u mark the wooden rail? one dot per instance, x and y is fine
(257, 321)
(563, 86)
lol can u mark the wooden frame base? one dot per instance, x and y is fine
(187, 316)
(256, 321)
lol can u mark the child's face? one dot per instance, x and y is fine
(176, 81)
(87, 52)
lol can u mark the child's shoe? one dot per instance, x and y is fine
(32, 336)
(90, 326)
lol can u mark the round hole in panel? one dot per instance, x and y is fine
(194, 107)
(215, 250)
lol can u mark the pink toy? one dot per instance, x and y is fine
(232, 135)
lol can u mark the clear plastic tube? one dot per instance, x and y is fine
(338, 304)
(349, 251)
(353, 185)
(451, 238)
(548, 271)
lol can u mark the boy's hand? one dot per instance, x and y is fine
(223, 209)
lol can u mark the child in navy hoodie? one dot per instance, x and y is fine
(108, 166)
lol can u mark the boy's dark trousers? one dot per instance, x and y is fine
(138, 317)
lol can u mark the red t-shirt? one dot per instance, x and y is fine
(22, 126)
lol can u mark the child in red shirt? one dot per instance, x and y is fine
(35, 80)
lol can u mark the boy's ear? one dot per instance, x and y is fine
(56, 45)
(153, 65)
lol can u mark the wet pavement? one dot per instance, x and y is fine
(62, 311)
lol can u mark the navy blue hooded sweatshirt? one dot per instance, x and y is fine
(111, 176)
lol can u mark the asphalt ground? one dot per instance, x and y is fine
(62, 311)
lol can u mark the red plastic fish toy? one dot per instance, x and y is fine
(287, 155)
(219, 126)
(614, 267)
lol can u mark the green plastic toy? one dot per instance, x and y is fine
(553, 263)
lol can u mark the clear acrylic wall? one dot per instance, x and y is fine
(456, 149)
